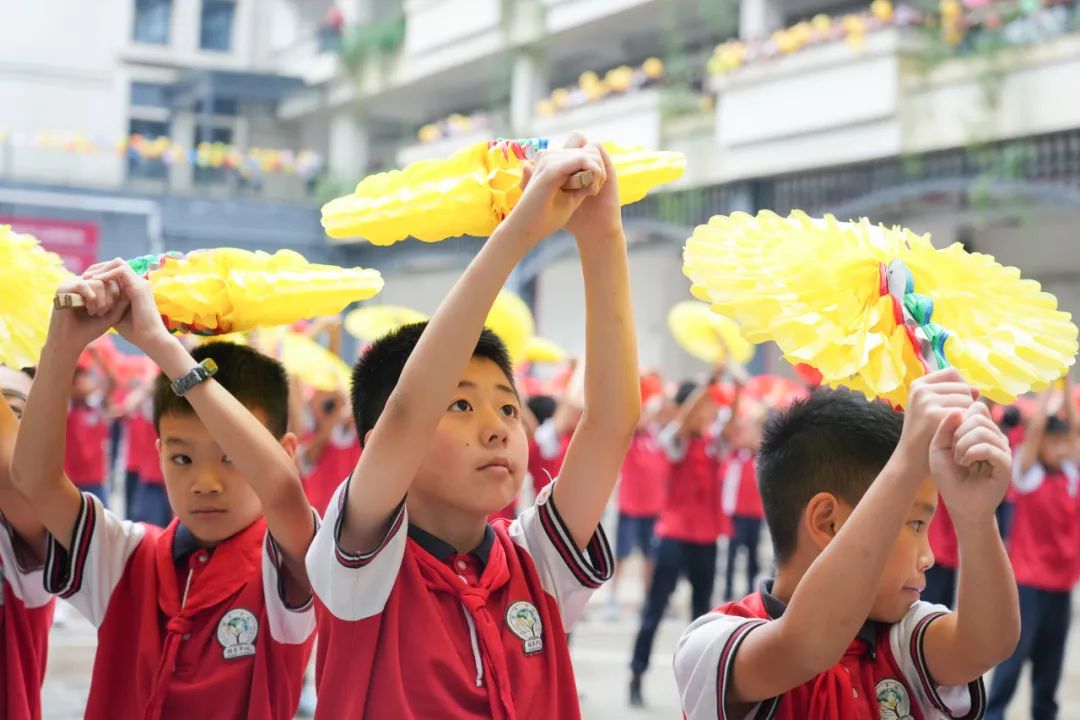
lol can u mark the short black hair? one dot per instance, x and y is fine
(1011, 418)
(1056, 425)
(257, 381)
(542, 407)
(834, 441)
(378, 370)
(686, 389)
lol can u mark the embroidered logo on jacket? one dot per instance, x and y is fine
(893, 700)
(237, 632)
(524, 621)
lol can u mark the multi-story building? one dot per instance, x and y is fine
(973, 137)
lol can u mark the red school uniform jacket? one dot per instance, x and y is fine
(644, 474)
(882, 675)
(26, 613)
(1044, 535)
(943, 538)
(143, 456)
(405, 635)
(202, 634)
(84, 453)
(692, 506)
(740, 495)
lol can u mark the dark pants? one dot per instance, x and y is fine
(1004, 517)
(747, 533)
(1044, 627)
(151, 505)
(697, 561)
(131, 482)
(940, 586)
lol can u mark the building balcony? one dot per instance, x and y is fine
(836, 104)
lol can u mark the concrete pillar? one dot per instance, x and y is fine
(187, 21)
(348, 151)
(182, 130)
(759, 18)
(529, 84)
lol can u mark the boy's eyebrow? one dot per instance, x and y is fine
(471, 385)
(176, 441)
(926, 507)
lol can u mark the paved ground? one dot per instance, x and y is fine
(600, 647)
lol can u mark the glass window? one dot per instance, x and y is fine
(152, 21)
(215, 32)
(148, 95)
(142, 167)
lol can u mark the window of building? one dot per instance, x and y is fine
(153, 19)
(147, 168)
(148, 95)
(215, 32)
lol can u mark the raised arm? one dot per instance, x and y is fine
(396, 446)
(1033, 433)
(612, 391)
(985, 628)
(834, 597)
(37, 464)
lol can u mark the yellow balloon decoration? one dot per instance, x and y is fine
(29, 276)
(541, 350)
(874, 308)
(371, 322)
(707, 336)
(511, 319)
(471, 192)
(212, 292)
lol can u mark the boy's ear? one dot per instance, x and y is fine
(823, 517)
(290, 442)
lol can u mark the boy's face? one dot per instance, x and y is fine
(904, 578)
(205, 489)
(1054, 450)
(478, 457)
(15, 387)
(704, 417)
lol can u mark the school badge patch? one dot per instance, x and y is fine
(237, 632)
(524, 621)
(893, 700)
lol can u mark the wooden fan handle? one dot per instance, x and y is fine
(68, 301)
(580, 180)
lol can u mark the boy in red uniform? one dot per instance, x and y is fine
(430, 611)
(1044, 544)
(87, 430)
(213, 615)
(149, 501)
(741, 500)
(26, 610)
(691, 520)
(841, 634)
(641, 495)
(330, 451)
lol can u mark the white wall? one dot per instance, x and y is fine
(60, 75)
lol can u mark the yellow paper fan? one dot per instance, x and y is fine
(225, 290)
(470, 192)
(874, 308)
(511, 319)
(29, 276)
(371, 322)
(707, 336)
(542, 350)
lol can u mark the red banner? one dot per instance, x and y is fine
(75, 242)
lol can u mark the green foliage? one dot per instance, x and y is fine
(381, 38)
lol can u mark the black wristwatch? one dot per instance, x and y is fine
(198, 375)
